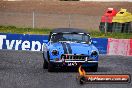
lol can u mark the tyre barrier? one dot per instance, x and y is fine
(113, 21)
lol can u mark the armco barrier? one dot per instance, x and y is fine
(35, 42)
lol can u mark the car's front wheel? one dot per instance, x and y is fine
(51, 68)
(94, 68)
(45, 64)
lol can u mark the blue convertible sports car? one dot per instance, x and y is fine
(70, 47)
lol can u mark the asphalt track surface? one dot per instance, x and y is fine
(23, 69)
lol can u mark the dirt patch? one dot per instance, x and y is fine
(89, 8)
(56, 14)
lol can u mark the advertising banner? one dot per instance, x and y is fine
(35, 42)
(101, 44)
(118, 47)
(22, 41)
(130, 51)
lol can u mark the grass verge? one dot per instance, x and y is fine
(112, 35)
(17, 30)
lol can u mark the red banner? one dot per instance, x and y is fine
(130, 51)
(119, 47)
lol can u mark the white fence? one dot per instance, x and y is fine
(43, 20)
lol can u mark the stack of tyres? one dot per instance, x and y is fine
(106, 20)
(108, 26)
(122, 22)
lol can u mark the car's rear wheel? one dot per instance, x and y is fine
(45, 64)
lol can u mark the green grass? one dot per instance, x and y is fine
(18, 30)
(112, 35)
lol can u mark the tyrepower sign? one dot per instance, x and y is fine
(22, 42)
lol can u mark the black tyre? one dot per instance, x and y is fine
(45, 64)
(82, 80)
(94, 68)
(51, 68)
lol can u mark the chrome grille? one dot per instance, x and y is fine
(73, 57)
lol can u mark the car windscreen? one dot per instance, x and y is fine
(72, 37)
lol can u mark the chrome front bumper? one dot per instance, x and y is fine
(67, 61)
(77, 58)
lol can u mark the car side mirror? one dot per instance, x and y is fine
(45, 41)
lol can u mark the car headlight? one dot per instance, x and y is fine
(94, 53)
(55, 52)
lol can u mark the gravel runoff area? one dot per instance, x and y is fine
(23, 69)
